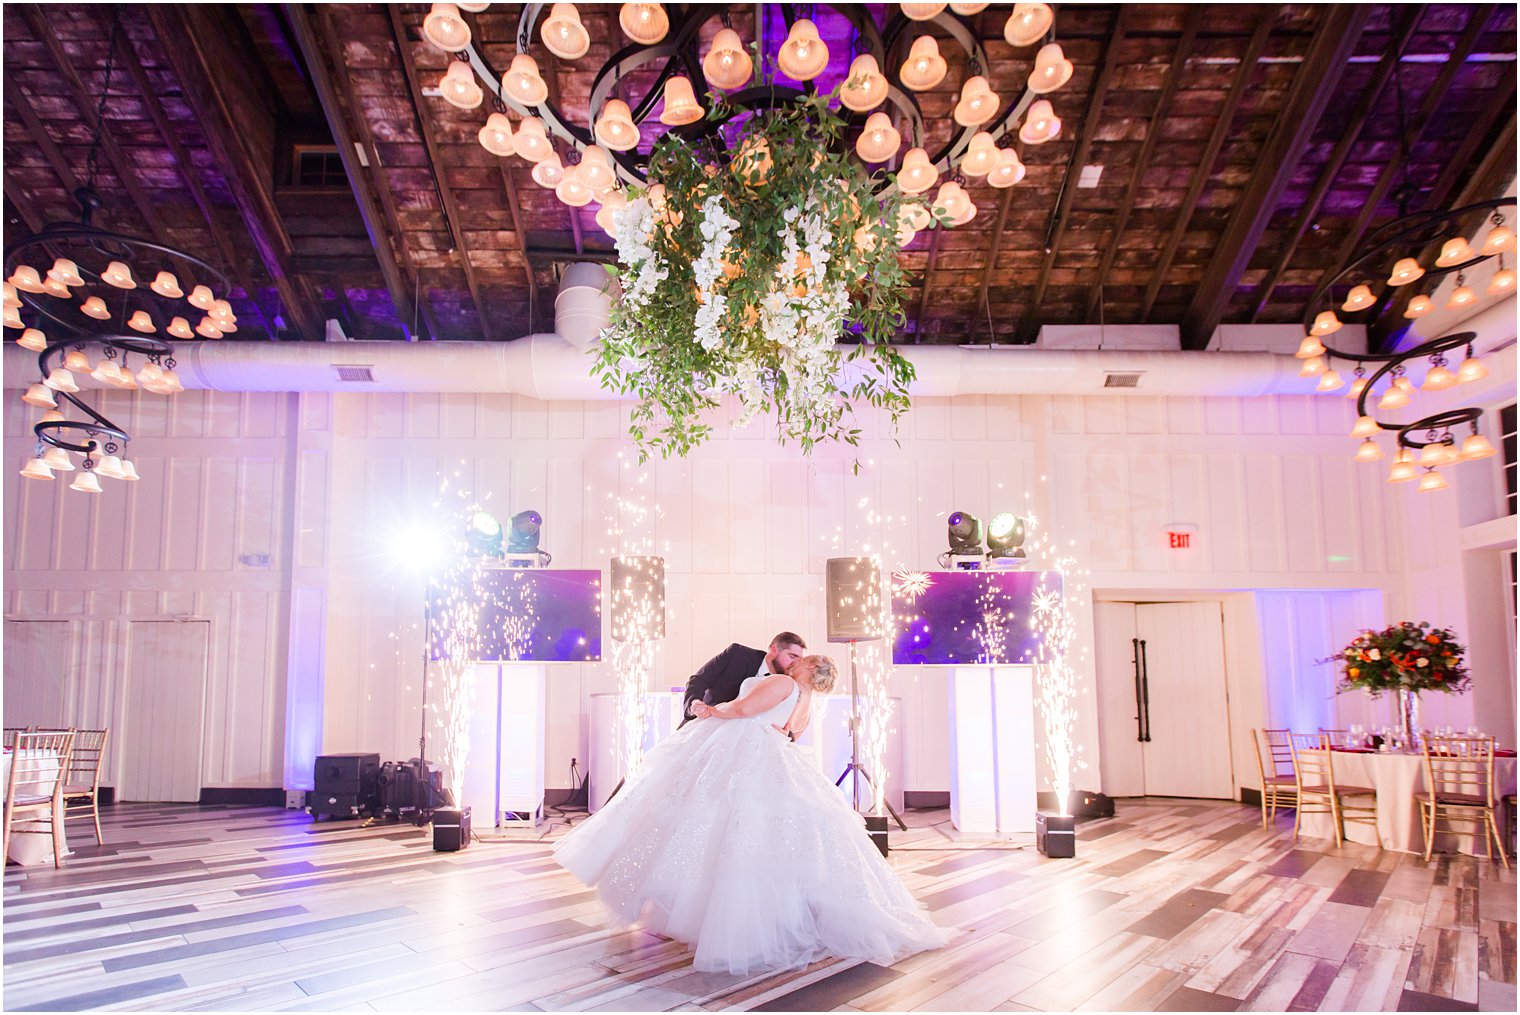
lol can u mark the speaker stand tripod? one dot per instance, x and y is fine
(854, 771)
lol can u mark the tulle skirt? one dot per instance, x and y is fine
(730, 840)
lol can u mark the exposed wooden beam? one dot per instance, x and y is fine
(513, 204)
(977, 311)
(1205, 165)
(21, 102)
(219, 235)
(1107, 62)
(24, 206)
(86, 104)
(1337, 159)
(209, 70)
(923, 294)
(428, 127)
(1313, 88)
(1147, 147)
(328, 87)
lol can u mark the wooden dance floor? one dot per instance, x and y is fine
(1173, 905)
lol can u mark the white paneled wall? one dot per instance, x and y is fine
(322, 649)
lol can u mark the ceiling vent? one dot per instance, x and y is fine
(1124, 380)
(355, 374)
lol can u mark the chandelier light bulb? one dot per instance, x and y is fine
(1009, 169)
(977, 103)
(612, 202)
(1462, 296)
(109, 467)
(179, 328)
(803, 55)
(77, 361)
(119, 275)
(967, 10)
(523, 82)
(917, 173)
(549, 172)
(459, 88)
(206, 329)
(1403, 468)
(1330, 381)
(1359, 298)
(645, 24)
(572, 190)
(33, 340)
(62, 379)
(1028, 24)
(496, 136)
(596, 170)
(1500, 240)
(1394, 398)
(1357, 387)
(165, 284)
(1472, 369)
(26, 279)
(1365, 426)
(41, 396)
(201, 298)
(922, 12)
(86, 482)
(532, 141)
(445, 28)
(1438, 378)
(36, 468)
(129, 472)
(1503, 282)
(1453, 252)
(1051, 69)
(1313, 367)
(55, 288)
(981, 155)
(563, 33)
(865, 86)
(1419, 307)
(615, 127)
(1326, 323)
(1368, 451)
(140, 321)
(879, 141)
(951, 201)
(727, 65)
(681, 105)
(1476, 447)
(95, 307)
(1040, 124)
(1405, 271)
(1432, 481)
(65, 271)
(924, 67)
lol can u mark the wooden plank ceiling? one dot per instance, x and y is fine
(1245, 150)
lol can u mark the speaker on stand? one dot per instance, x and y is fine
(854, 604)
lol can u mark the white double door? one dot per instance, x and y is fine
(1163, 708)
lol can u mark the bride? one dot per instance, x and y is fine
(729, 838)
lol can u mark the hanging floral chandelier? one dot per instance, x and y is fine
(762, 227)
(1391, 261)
(74, 287)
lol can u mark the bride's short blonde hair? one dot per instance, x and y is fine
(824, 674)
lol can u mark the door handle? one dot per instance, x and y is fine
(1139, 707)
(1145, 693)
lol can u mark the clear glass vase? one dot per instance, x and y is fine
(1409, 720)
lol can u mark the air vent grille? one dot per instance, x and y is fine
(355, 374)
(1115, 380)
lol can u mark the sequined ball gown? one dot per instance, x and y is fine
(729, 838)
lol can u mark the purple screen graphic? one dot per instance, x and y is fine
(966, 618)
(532, 615)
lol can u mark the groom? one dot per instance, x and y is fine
(719, 678)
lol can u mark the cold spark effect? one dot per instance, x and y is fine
(1061, 658)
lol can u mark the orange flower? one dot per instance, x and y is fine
(1434, 639)
(1353, 672)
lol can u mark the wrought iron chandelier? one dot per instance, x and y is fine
(1393, 259)
(887, 65)
(113, 293)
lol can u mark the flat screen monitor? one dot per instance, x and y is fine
(967, 618)
(523, 615)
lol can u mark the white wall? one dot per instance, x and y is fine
(323, 647)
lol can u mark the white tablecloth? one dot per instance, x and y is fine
(32, 846)
(1397, 778)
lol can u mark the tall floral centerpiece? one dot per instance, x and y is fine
(1405, 658)
(741, 274)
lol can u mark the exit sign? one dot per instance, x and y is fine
(1181, 537)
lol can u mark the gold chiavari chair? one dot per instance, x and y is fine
(1319, 793)
(1279, 786)
(34, 787)
(1459, 791)
(81, 789)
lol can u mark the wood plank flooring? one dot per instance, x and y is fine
(1172, 905)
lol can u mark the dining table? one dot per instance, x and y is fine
(1396, 777)
(33, 845)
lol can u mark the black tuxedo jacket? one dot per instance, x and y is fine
(722, 675)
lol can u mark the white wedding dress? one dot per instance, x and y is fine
(731, 840)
